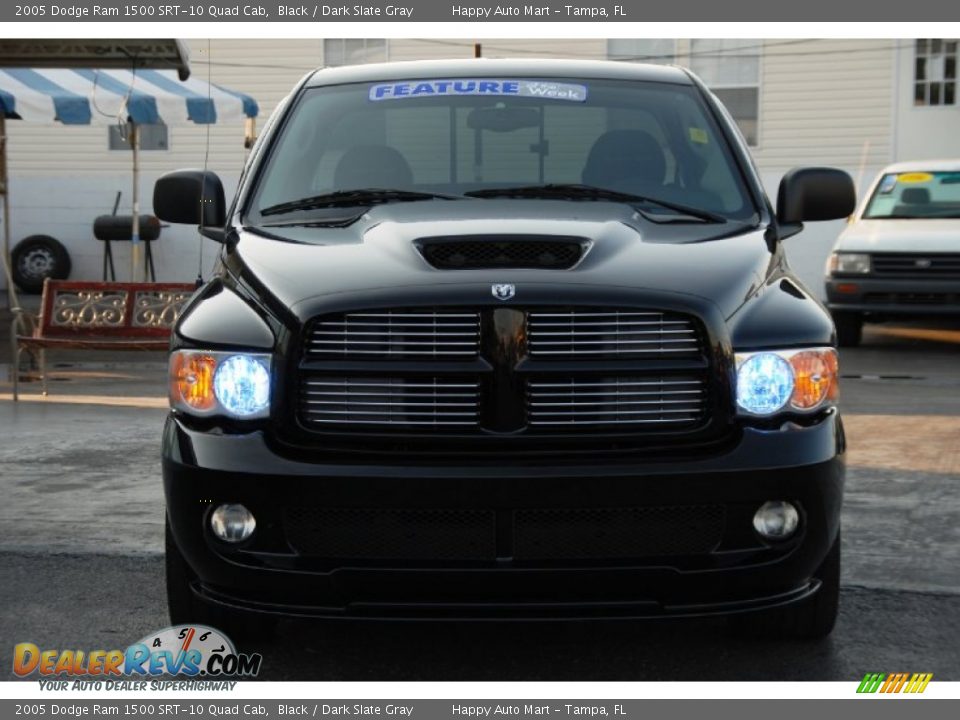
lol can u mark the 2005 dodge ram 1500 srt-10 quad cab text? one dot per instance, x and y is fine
(503, 339)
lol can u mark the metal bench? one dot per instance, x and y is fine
(99, 316)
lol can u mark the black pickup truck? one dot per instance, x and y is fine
(503, 340)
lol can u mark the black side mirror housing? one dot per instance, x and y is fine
(810, 194)
(192, 197)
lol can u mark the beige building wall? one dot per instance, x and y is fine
(826, 102)
(821, 102)
(833, 103)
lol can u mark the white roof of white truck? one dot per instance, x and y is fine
(924, 166)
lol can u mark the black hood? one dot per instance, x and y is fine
(310, 268)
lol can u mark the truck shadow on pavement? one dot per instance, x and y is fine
(109, 601)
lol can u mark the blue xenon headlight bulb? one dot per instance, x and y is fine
(764, 383)
(242, 386)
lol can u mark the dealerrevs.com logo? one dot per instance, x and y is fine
(190, 651)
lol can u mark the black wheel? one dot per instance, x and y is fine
(849, 329)
(186, 608)
(36, 258)
(812, 619)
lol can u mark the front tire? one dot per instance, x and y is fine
(186, 608)
(812, 619)
(849, 329)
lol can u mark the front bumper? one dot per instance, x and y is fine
(902, 297)
(738, 573)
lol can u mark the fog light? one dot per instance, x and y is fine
(776, 520)
(232, 523)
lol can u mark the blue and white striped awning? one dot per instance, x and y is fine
(105, 97)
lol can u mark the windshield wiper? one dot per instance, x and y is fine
(575, 191)
(349, 198)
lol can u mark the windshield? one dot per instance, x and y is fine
(435, 140)
(920, 195)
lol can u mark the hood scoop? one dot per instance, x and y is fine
(477, 252)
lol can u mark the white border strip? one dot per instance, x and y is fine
(559, 30)
(463, 691)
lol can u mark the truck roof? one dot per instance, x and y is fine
(488, 67)
(924, 166)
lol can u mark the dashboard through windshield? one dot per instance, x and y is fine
(467, 138)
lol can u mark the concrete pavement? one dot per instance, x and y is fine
(82, 512)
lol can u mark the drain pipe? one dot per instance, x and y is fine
(13, 302)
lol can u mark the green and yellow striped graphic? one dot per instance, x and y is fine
(894, 682)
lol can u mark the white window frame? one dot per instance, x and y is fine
(928, 82)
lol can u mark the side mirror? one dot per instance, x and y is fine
(815, 193)
(192, 197)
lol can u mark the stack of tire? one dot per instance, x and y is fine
(36, 258)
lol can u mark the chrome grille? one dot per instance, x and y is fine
(932, 265)
(645, 400)
(362, 401)
(611, 334)
(395, 334)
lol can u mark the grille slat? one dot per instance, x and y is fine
(394, 323)
(395, 335)
(611, 401)
(407, 343)
(376, 333)
(392, 315)
(614, 334)
(621, 383)
(391, 404)
(541, 333)
(614, 351)
(587, 313)
(359, 414)
(939, 265)
(388, 383)
(619, 403)
(359, 402)
(620, 341)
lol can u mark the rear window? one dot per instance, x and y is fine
(454, 136)
(916, 195)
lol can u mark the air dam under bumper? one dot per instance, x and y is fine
(883, 296)
(734, 572)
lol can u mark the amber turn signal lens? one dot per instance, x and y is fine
(191, 380)
(816, 378)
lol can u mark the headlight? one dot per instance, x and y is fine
(220, 383)
(848, 264)
(797, 380)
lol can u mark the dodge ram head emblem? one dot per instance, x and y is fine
(503, 291)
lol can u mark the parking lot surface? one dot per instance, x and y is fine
(81, 530)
